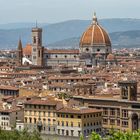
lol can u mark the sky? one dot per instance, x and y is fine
(52, 11)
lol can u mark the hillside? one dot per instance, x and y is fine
(69, 30)
(127, 39)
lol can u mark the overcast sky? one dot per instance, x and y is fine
(60, 10)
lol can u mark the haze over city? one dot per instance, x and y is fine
(50, 11)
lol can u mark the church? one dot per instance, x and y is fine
(94, 49)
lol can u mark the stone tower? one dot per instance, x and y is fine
(19, 52)
(128, 90)
(37, 48)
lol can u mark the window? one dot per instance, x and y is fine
(125, 92)
(118, 112)
(62, 132)
(34, 39)
(112, 112)
(30, 120)
(62, 123)
(105, 111)
(55, 56)
(98, 50)
(79, 116)
(72, 131)
(118, 122)
(71, 124)
(58, 131)
(112, 121)
(58, 123)
(35, 120)
(39, 53)
(105, 121)
(34, 49)
(25, 120)
(125, 123)
(79, 124)
(65, 56)
(125, 113)
(67, 124)
(71, 116)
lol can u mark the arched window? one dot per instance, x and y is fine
(34, 40)
(39, 53)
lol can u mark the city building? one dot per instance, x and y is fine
(9, 91)
(76, 121)
(9, 117)
(120, 111)
(40, 114)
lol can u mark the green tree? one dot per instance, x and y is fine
(95, 136)
(19, 135)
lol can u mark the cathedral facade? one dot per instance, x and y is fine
(94, 48)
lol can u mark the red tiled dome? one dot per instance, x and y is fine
(95, 35)
(27, 50)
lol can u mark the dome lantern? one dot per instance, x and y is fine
(95, 20)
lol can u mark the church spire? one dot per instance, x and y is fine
(19, 44)
(95, 21)
(19, 52)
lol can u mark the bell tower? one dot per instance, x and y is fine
(19, 53)
(37, 48)
(128, 90)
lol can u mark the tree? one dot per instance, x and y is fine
(19, 135)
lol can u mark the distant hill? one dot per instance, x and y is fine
(128, 39)
(68, 31)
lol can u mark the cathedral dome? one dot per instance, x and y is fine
(95, 35)
(27, 51)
